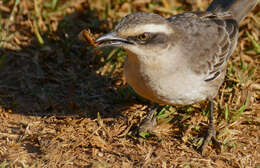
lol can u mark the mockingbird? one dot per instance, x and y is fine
(182, 59)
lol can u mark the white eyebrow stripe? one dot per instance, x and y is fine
(153, 28)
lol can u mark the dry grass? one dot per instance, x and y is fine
(63, 104)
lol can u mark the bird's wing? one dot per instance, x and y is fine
(209, 40)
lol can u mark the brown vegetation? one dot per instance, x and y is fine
(65, 104)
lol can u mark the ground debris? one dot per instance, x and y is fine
(63, 105)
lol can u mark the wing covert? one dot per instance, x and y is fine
(216, 35)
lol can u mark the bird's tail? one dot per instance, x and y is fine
(238, 8)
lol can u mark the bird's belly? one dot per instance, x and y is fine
(181, 92)
(171, 89)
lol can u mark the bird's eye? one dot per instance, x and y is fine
(144, 37)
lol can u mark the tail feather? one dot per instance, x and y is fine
(238, 8)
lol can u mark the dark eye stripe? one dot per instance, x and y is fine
(155, 38)
(158, 38)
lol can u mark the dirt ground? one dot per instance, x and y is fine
(65, 104)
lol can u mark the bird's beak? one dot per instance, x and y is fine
(111, 39)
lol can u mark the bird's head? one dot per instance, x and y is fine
(140, 33)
